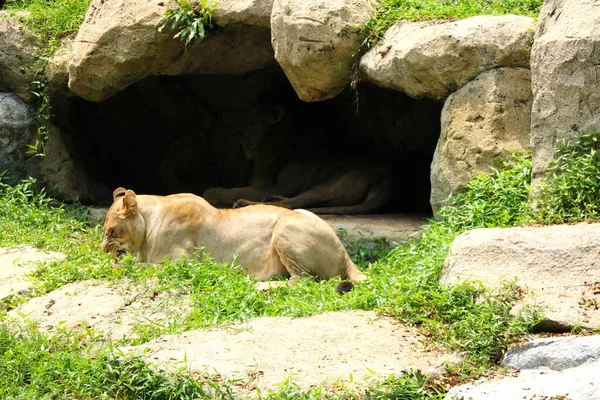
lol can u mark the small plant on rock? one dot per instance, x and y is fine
(189, 21)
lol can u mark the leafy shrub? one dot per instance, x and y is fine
(499, 199)
(572, 191)
(189, 21)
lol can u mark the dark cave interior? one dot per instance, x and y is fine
(171, 134)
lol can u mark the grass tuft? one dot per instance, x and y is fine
(388, 12)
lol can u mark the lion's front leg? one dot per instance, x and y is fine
(228, 197)
(281, 202)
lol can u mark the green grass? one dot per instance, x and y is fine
(51, 20)
(404, 284)
(388, 12)
(571, 193)
(63, 367)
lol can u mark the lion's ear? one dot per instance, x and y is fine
(118, 193)
(130, 204)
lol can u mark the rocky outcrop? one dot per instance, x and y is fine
(314, 43)
(17, 58)
(565, 79)
(558, 268)
(479, 122)
(17, 128)
(435, 60)
(119, 44)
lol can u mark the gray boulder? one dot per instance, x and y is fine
(435, 60)
(479, 122)
(556, 353)
(580, 383)
(17, 127)
(565, 78)
(558, 268)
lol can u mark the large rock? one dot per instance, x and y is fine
(479, 122)
(565, 76)
(17, 58)
(433, 61)
(17, 127)
(119, 44)
(558, 268)
(556, 353)
(314, 42)
(581, 383)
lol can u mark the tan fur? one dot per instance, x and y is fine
(269, 241)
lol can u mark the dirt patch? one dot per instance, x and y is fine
(343, 347)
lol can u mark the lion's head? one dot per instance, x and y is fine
(124, 227)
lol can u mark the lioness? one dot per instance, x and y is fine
(301, 171)
(269, 241)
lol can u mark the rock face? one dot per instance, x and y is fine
(17, 127)
(17, 58)
(119, 44)
(433, 61)
(479, 122)
(314, 42)
(557, 266)
(244, 12)
(557, 353)
(565, 78)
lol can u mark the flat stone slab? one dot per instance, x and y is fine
(16, 263)
(558, 267)
(113, 310)
(580, 383)
(310, 350)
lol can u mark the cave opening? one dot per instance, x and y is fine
(172, 134)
